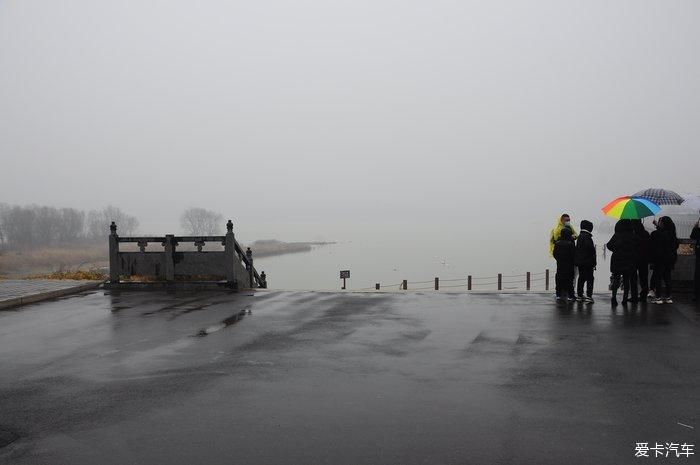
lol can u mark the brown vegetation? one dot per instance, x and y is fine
(15, 263)
(89, 275)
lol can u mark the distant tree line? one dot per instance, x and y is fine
(23, 227)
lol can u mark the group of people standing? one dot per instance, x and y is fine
(634, 252)
(572, 250)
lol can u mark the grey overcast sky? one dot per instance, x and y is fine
(356, 111)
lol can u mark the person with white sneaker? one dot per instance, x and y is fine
(663, 245)
(623, 245)
(586, 261)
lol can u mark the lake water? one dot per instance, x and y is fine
(392, 253)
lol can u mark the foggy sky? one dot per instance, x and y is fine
(306, 114)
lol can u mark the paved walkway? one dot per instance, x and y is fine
(299, 378)
(15, 292)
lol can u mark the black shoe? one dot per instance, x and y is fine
(613, 302)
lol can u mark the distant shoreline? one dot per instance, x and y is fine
(23, 263)
(272, 247)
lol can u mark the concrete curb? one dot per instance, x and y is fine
(41, 296)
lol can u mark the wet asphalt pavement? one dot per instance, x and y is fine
(326, 378)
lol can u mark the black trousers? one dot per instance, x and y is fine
(585, 276)
(628, 280)
(643, 273)
(629, 284)
(663, 274)
(697, 277)
(565, 283)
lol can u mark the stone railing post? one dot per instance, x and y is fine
(114, 271)
(249, 266)
(263, 280)
(169, 257)
(230, 255)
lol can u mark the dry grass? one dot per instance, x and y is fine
(90, 275)
(15, 263)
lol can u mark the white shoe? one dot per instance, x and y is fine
(652, 295)
(668, 300)
(658, 300)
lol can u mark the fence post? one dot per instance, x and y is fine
(527, 281)
(405, 284)
(113, 253)
(546, 279)
(469, 282)
(376, 286)
(437, 284)
(500, 281)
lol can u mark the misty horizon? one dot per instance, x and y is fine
(312, 121)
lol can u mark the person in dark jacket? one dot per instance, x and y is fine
(663, 248)
(695, 235)
(586, 261)
(642, 266)
(565, 255)
(623, 246)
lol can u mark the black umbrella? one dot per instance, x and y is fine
(661, 196)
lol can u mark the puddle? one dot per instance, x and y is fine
(7, 437)
(224, 323)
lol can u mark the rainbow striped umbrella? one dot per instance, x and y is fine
(631, 208)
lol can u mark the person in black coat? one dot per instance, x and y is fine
(642, 257)
(623, 261)
(695, 235)
(565, 255)
(586, 261)
(663, 248)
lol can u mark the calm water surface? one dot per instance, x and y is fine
(390, 254)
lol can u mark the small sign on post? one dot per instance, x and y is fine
(344, 274)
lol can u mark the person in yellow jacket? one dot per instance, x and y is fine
(564, 222)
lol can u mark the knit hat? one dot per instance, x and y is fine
(586, 225)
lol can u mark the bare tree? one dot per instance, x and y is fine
(18, 226)
(23, 227)
(3, 208)
(98, 221)
(71, 226)
(201, 222)
(94, 225)
(46, 225)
